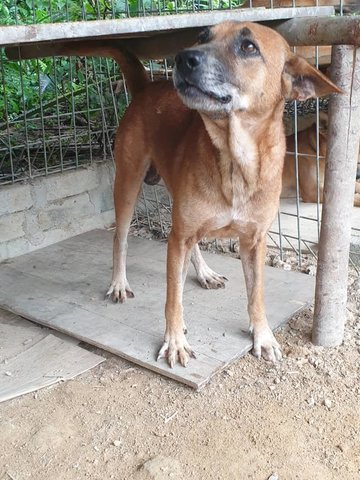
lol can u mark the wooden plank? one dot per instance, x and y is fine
(17, 335)
(143, 26)
(48, 361)
(63, 286)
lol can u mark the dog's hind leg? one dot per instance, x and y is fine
(205, 275)
(130, 173)
(252, 256)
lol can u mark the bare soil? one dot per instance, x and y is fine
(298, 419)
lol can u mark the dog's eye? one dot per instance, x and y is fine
(204, 35)
(249, 47)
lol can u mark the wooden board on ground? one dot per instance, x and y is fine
(32, 358)
(63, 286)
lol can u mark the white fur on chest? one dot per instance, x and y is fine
(242, 147)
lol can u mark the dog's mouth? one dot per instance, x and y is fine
(189, 89)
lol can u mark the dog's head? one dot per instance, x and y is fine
(244, 66)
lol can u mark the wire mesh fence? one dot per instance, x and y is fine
(62, 113)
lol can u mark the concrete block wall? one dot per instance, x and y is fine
(49, 209)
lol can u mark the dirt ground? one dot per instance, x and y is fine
(298, 419)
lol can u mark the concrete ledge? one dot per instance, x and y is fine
(68, 185)
(15, 198)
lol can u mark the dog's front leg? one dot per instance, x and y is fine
(253, 260)
(175, 344)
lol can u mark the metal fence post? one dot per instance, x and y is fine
(340, 171)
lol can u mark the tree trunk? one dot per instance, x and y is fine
(340, 171)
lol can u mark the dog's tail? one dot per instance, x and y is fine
(134, 72)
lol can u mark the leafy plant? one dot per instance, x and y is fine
(43, 97)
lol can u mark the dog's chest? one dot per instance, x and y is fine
(236, 185)
(240, 214)
(245, 207)
(239, 164)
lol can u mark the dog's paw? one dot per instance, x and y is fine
(265, 345)
(119, 292)
(209, 279)
(176, 347)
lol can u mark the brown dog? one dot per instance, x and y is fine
(309, 174)
(219, 145)
(217, 141)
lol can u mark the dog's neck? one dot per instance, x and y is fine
(242, 139)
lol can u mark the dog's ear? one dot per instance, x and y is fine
(301, 81)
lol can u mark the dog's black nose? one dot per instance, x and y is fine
(189, 59)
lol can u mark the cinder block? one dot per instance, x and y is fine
(55, 208)
(66, 211)
(71, 183)
(15, 198)
(39, 191)
(102, 196)
(102, 200)
(14, 248)
(11, 226)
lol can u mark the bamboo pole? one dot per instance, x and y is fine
(340, 171)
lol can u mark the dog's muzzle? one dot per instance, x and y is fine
(188, 79)
(189, 61)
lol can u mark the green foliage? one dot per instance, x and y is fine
(43, 97)
(25, 83)
(42, 11)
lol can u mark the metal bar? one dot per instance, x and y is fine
(86, 65)
(105, 131)
(318, 193)
(57, 112)
(340, 170)
(23, 101)
(275, 243)
(296, 160)
(8, 131)
(280, 235)
(306, 243)
(42, 117)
